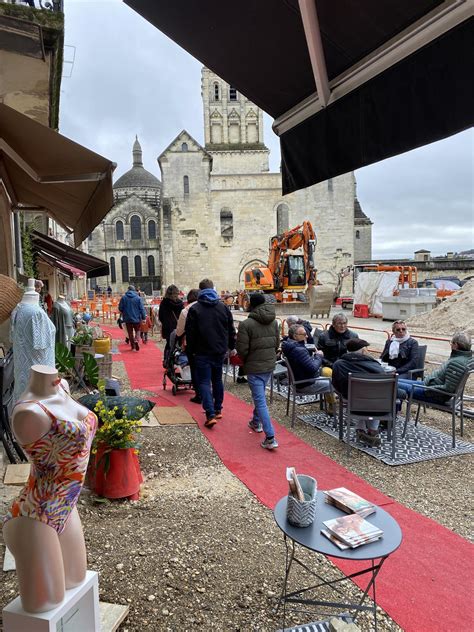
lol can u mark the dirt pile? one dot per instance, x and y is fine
(456, 313)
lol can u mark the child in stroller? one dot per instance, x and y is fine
(177, 368)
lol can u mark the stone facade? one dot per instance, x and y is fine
(221, 204)
(129, 236)
(362, 234)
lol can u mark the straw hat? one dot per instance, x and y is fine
(10, 296)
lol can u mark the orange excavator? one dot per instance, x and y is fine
(287, 270)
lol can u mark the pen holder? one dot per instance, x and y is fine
(301, 514)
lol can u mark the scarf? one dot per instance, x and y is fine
(395, 343)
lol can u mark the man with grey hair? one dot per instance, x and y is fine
(133, 313)
(296, 320)
(306, 368)
(446, 379)
(333, 341)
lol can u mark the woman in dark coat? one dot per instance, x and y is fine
(170, 309)
(401, 350)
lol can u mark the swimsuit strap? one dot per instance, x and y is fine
(34, 401)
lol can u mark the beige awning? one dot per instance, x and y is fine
(42, 169)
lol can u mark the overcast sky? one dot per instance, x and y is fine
(128, 78)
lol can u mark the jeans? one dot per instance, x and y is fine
(257, 383)
(419, 393)
(209, 382)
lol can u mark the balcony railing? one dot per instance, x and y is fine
(47, 5)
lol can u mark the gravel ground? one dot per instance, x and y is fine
(198, 552)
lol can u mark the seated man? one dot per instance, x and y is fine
(304, 365)
(333, 341)
(295, 320)
(357, 360)
(447, 377)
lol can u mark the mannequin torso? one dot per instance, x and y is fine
(56, 432)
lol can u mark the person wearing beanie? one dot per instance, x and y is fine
(358, 360)
(210, 334)
(258, 340)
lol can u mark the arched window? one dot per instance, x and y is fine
(283, 219)
(227, 223)
(152, 229)
(119, 231)
(184, 147)
(186, 185)
(232, 94)
(135, 227)
(151, 265)
(138, 265)
(357, 234)
(113, 273)
(216, 92)
(125, 275)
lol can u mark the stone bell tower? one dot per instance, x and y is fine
(233, 128)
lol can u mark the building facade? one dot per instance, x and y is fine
(129, 236)
(219, 204)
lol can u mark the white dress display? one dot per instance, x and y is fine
(33, 338)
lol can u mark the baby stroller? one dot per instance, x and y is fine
(177, 368)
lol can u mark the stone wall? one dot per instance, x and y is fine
(362, 241)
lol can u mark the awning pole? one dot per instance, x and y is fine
(312, 33)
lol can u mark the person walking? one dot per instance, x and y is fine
(133, 313)
(170, 309)
(258, 340)
(210, 334)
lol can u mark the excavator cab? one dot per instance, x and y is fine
(294, 273)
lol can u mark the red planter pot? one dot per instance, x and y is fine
(121, 478)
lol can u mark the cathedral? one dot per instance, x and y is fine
(217, 206)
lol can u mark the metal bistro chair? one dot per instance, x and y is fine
(279, 373)
(293, 391)
(419, 374)
(454, 405)
(376, 396)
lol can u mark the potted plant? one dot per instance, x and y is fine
(82, 340)
(115, 471)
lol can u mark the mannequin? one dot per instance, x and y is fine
(32, 335)
(46, 538)
(63, 319)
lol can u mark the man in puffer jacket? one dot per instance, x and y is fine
(258, 339)
(446, 379)
(302, 363)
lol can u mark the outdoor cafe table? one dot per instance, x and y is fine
(312, 539)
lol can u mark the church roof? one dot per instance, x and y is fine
(137, 176)
(358, 212)
(184, 136)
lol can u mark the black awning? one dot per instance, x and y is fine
(55, 253)
(269, 51)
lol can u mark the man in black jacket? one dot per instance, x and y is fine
(333, 342)
(210, 334)
(357, 360)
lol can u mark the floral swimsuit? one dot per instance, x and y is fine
(58, 467)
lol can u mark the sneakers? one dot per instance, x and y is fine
(269, 443)
(210, 422)
(127, 340)
(371, 438)
(241, 380)
(196, 400)
(137, 346)
(219, 414)
(255, 425)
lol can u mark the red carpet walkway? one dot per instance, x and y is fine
(424, 586)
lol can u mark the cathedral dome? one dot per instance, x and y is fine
(137, 176)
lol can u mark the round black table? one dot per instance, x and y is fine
(311, 538)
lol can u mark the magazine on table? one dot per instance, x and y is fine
(353, 530)
(349, 502)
